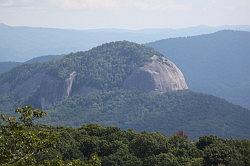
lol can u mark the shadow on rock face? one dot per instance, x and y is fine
(159, 75)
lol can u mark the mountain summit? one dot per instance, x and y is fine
(122, 64)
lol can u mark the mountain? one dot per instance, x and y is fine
(23, 43)
(123, 84)
(6, 66)
(45, 58)
(113, 65)
(216, 63)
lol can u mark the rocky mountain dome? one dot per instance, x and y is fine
(160, 75)
(122, 65)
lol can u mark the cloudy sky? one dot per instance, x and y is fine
(132, 14)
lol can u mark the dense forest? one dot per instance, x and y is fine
(23, 142)
(197, 114)
(104, 67)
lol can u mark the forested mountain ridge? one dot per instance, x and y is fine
(45, 58)
(105, 67)
(7, 66)
(216, 63)
(122, 84)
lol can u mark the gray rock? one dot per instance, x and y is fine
(160, 75)
(69, 82)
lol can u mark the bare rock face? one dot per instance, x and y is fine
(47, 90)
(69, 82)
(160, 75)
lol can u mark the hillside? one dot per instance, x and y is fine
(24, 43)
(123, 84)
(196, 114)
(216, 63)
(6, 66)
(45, 58)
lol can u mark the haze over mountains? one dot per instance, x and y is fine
(24, 43)
(7, 66)
(216, 63)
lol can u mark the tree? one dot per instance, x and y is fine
(19, 141)
(207, 140)
(222, 154)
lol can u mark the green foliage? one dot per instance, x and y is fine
(95, 145)
(207, 140)
(105, 66)
(28, 114)
(145, 145)
(20, 141)
(196, 114)
(223, 153)
(161, 160)
(20, 73)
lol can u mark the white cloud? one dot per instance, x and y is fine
(99, 4)
(24, 3)
(158, 5)
(121, 4)
(5, 3)
(124, 13)
(16, 3)
(85, 4)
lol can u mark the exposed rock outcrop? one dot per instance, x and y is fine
(159, 75)
(69, 82)
(47, 90)
(50, 89)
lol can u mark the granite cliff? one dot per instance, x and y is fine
(160, 75)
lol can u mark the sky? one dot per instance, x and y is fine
(128, 14)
